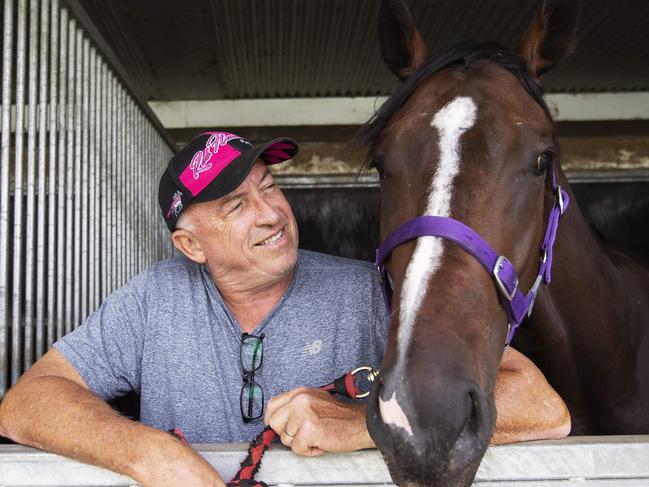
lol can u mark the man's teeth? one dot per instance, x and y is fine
(272, 239)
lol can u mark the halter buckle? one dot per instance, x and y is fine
(501, 285)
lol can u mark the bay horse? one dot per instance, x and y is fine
(468, 143)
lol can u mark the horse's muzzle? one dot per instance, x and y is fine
(450, 428)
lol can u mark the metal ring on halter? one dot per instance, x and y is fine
(371, 375)
(560, 199)
(534, 290)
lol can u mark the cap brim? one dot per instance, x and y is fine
(277, 150)
(273, 152)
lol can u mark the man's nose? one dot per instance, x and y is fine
(265, 212)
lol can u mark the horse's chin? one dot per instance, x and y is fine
(401, 478)
(451, 466)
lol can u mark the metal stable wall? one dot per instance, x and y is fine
(80, 162)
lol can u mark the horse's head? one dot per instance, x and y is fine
(466, 136)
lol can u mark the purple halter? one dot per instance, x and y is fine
(517, 305)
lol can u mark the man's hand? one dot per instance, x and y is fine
(311, 422)
(528, 407)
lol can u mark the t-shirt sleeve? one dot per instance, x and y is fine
(107, 349)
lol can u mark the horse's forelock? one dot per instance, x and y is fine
(464, 55)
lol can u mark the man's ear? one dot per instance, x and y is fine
(551, 36)
(187, 243)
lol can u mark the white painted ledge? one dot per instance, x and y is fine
(177, 114)
(598, 461)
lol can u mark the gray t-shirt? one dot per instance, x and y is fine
(168, 336)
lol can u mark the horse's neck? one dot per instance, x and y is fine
(590, 327)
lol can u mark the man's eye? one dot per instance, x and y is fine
(235, 208)
(269, 187)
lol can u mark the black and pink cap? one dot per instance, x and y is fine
(211, 166)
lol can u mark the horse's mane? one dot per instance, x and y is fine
(461, 56)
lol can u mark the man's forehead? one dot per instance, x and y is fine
(266, 172)
(253, 177)
(238, 192)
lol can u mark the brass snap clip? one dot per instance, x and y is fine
(369, 375)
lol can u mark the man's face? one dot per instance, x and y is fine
(250, 233)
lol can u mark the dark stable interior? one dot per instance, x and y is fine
(345, 222)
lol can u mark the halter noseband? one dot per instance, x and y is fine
(517, 305)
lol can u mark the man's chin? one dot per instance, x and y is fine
(280, 262)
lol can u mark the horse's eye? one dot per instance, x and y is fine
(543, 161)
(378, 164)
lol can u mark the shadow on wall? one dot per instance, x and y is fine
(344, 221)
(339, 221)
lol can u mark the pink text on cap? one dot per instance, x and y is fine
(208, 163)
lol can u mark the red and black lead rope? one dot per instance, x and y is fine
(345, 385)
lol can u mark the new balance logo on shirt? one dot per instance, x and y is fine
(312, 348)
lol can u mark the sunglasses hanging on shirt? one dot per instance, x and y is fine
(252, 394)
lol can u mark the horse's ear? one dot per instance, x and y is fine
(551, 36)
(402, 47)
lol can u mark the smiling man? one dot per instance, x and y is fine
(207, 339)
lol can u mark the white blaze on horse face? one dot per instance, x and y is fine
(392, 414)
(455, 118)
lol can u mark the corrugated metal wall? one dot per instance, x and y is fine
(80, 162)
(231, 49)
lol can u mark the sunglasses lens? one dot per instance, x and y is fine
(252, 348)
(252, 401)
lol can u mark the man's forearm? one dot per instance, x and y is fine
(55, 414)
(528, 408)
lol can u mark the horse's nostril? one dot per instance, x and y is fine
(475, 429)
(475, 420)
(476, 405)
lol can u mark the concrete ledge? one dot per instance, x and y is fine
(176, 114)
(584, 157)
(598, 461)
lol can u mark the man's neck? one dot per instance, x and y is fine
(251, 305)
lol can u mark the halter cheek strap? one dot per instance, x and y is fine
(516, 304)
